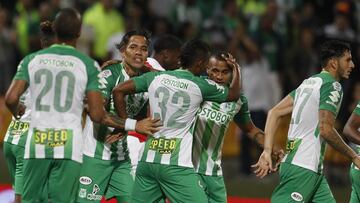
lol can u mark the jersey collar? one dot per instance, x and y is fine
(62, 45)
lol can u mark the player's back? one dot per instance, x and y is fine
(306, 147)
(175, 97)
(58, 79)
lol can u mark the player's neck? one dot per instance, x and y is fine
(131, 71)
(332, 73)
(66, 42)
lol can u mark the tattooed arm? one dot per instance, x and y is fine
(331, 136)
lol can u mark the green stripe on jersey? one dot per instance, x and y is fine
(205, 143)
(217, 149)
(291, 148)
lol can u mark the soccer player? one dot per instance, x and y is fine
(166, 56)
(314, 106)
(58, 78)
(15, 137)
(165, 168)
(106, 164)
(211, 123)
(351, 131)
(166, 53)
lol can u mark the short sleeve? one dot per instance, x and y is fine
(22, 70)
(143, 81)
(107, 82)
(243, 116)
(93, 81)
(331, 97)
(212, 91)
(357, 109)
(292, 94)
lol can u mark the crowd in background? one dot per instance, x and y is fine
(275, 41)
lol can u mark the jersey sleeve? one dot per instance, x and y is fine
(107, 81)
(331, 97)
(292, 94)
(357, 109)
(22, 70)
(243, 116)
(143, 81)
(212, 91)
(93, 81)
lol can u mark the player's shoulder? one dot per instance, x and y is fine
(110, 64)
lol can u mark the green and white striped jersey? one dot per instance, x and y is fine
(357, 112)
(58, 79)
(175, 97)
(109, 77)
(17, 131)
(305, 147)
(211, 123)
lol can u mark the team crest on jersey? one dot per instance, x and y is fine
(82, 193)
(297, 196)
(337, 86)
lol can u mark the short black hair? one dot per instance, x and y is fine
(331, 49)
(192, 51)
(126, 38)
(47, 34)
(166, 41)
(67, 24)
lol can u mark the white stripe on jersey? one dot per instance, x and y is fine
(59, 152)
(150, 156)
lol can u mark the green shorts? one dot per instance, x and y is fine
(59, 177)
(298, 184)
(154, 182)
(214, 188)
(14, 156)
(102, 177)
(355, 185)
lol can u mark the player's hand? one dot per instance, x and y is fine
(277, 155)
(20, 110)
(148, 126)
(111, 138)
(231, 61)
(356, 161)
(264, 165)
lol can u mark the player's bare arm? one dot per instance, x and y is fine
(332, 137)
(16, 89)
(264, 164)
(235, 85)
(351, 129)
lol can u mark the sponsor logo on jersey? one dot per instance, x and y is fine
(200, 184)
(93, 195)
(175, 83)
(85, 180)
(17, 127)
(82, 193)
(105, 74)
(334, 96)
(216, 116)
(297, 196)
(163, 146)
(51, 137)
(56, 62)
(103, 82)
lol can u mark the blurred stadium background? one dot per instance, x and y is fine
(275, 41)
